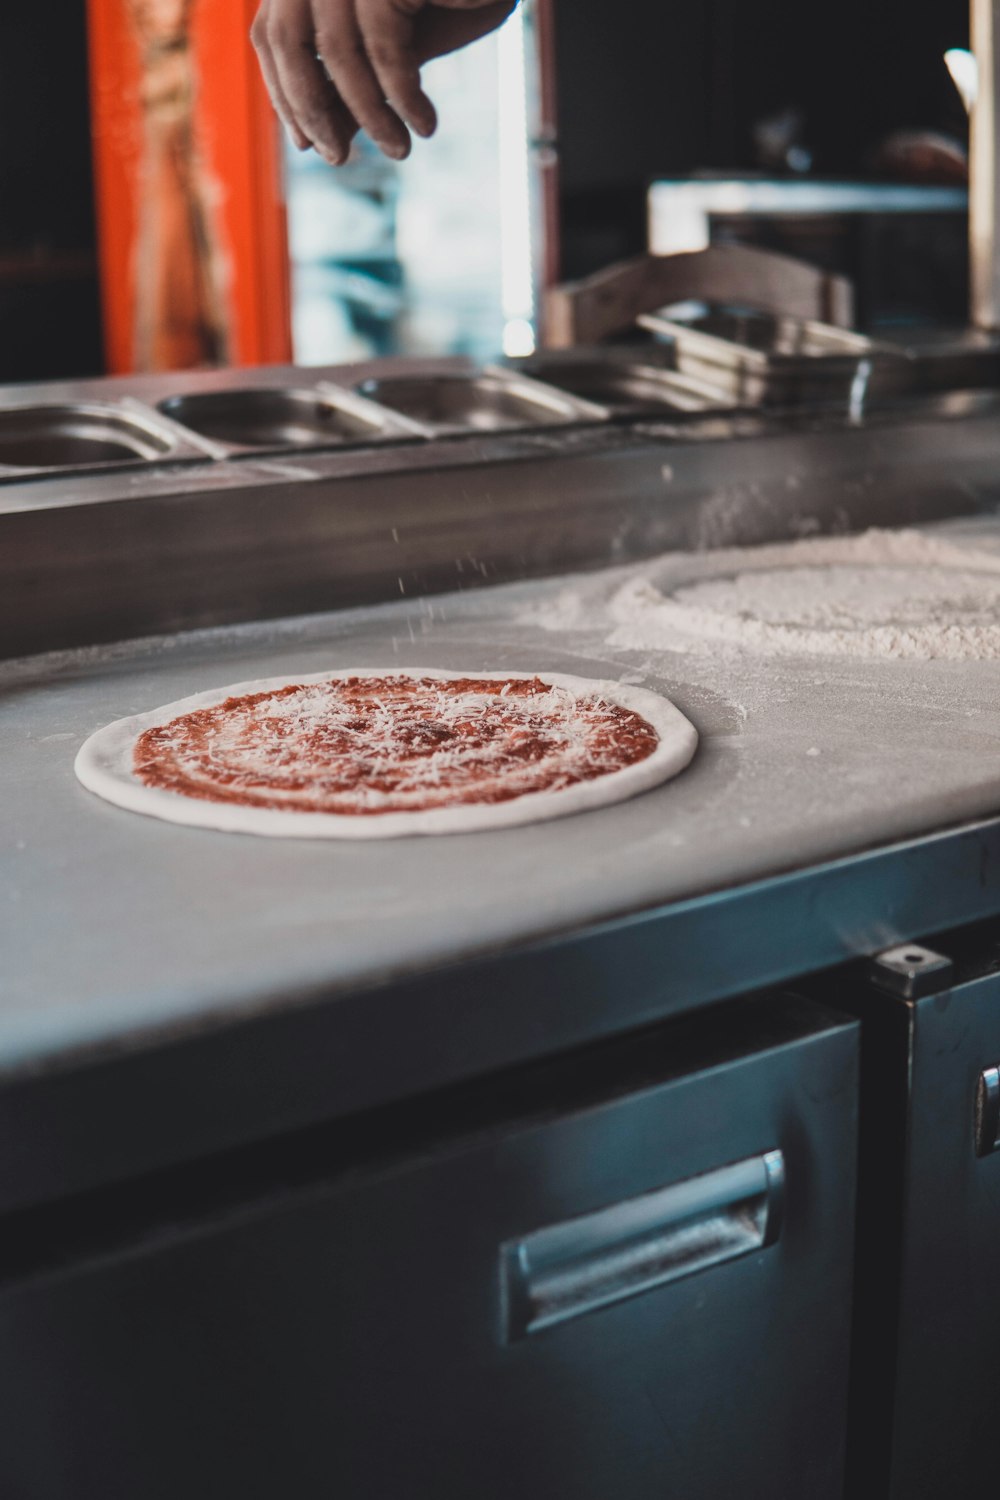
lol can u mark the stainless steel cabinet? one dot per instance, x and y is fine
(925, 1378)
(622, 1274)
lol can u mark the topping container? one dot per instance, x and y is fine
(47, 438)
(626, 382)
(276, 419)
(488, 402)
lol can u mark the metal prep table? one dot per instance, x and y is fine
(201, 1033)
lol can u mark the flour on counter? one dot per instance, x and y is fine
(897, 594)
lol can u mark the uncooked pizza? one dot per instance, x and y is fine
(384, 753)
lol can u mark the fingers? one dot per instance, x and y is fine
(342, 46)
(389, 32)
(399, 35)
(318, 115)
(282, 108)
(334, 66)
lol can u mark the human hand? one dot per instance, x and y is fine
(334, 67)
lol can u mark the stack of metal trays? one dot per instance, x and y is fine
(758, 358)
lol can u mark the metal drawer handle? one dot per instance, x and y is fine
(569, 1269)
(988, 1112)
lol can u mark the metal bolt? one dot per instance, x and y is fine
(910, 970)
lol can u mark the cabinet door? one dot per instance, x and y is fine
(634, 1283)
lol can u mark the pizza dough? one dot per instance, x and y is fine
(896, 595)
(384, 753)
(840, 611)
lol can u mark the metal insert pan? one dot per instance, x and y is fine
(490, 401)
(625, 381)
(276, 419)
(54, 438)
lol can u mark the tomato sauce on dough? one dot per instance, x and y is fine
(361, 746)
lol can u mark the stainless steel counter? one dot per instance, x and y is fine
(167, 991)
(121, 933)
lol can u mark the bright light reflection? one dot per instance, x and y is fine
(964, 74)
(518, 337)
(517, 279)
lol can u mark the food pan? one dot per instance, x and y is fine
(278, 419)
(490, 401)
(83, 435)
(625, 381)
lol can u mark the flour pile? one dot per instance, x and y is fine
(901, 594)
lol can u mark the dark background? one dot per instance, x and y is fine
(49, 317)
(651, 88)
(645, 88)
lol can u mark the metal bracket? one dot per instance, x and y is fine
(910, 970)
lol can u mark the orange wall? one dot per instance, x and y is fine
(239, 144)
